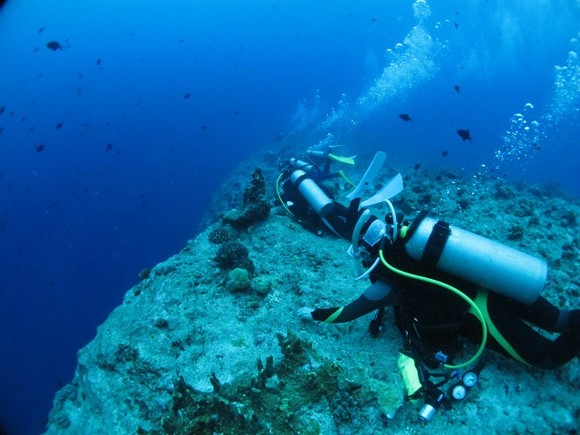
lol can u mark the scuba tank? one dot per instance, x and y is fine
(476, 259)
(312, 193)
(301, 164)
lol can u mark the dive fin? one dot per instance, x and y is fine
(369, 176)
(342, 159)
(345, 178)
(392, 188)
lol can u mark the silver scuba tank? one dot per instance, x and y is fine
(301, 164)
(312, 193)
(478, 260)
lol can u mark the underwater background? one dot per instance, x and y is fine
(119, 119)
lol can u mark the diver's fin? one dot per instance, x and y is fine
(342, 159)
(345, 178)
(392, 188)
(369, 176)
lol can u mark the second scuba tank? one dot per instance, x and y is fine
(312, 193)
(476, 259)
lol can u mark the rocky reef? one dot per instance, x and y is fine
(209, 342)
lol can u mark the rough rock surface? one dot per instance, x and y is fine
(185, 354)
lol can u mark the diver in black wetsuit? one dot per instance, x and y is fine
(430, 317)
(437, 317)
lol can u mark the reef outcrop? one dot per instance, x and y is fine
(186, 352)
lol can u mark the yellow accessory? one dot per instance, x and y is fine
(481, 302)
(409, 373)
(280, 197)
(341, 159)
(334, 315)
(345, 178)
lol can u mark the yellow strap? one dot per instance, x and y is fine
(334, 315)
(481, 302)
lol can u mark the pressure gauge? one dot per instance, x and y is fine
(458, 392)
(469, 379)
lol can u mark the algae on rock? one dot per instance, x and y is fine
(252, 405)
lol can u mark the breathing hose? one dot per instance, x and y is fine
(280, 197)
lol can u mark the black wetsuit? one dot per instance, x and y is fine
(438, 316)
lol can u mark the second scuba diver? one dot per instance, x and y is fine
(443, 282)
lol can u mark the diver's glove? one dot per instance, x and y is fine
(305, 313)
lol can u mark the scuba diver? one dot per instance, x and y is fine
(443, 283)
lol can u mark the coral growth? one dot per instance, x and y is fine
(256, 190)
(232, 255)
(238, 280)
(274, 400)
(255, 207)
(516, 232)
(221, 234)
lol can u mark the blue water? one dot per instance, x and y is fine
(160, 100)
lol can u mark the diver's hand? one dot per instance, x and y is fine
(305, 313)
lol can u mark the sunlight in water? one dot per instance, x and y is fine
(527, 130)
(412, 62)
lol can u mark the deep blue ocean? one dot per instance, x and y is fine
(119, 118)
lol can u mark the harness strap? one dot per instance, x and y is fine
(481, 302)
(436, 243)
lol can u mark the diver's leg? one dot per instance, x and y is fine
(545, 315)
(343, 219)
(530, 345)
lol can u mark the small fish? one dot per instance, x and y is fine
(40, 30)
(39, 148)
(186, 96)
(456, 25)
(109, 147)
(204, 127)
(99, 61)
(405, 117)
(59, 125)
(417, 166)
(444, 153)
(2, 109)
(54, 45)
(464, 134)
(457, 88)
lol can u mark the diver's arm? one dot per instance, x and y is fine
(378, 295)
